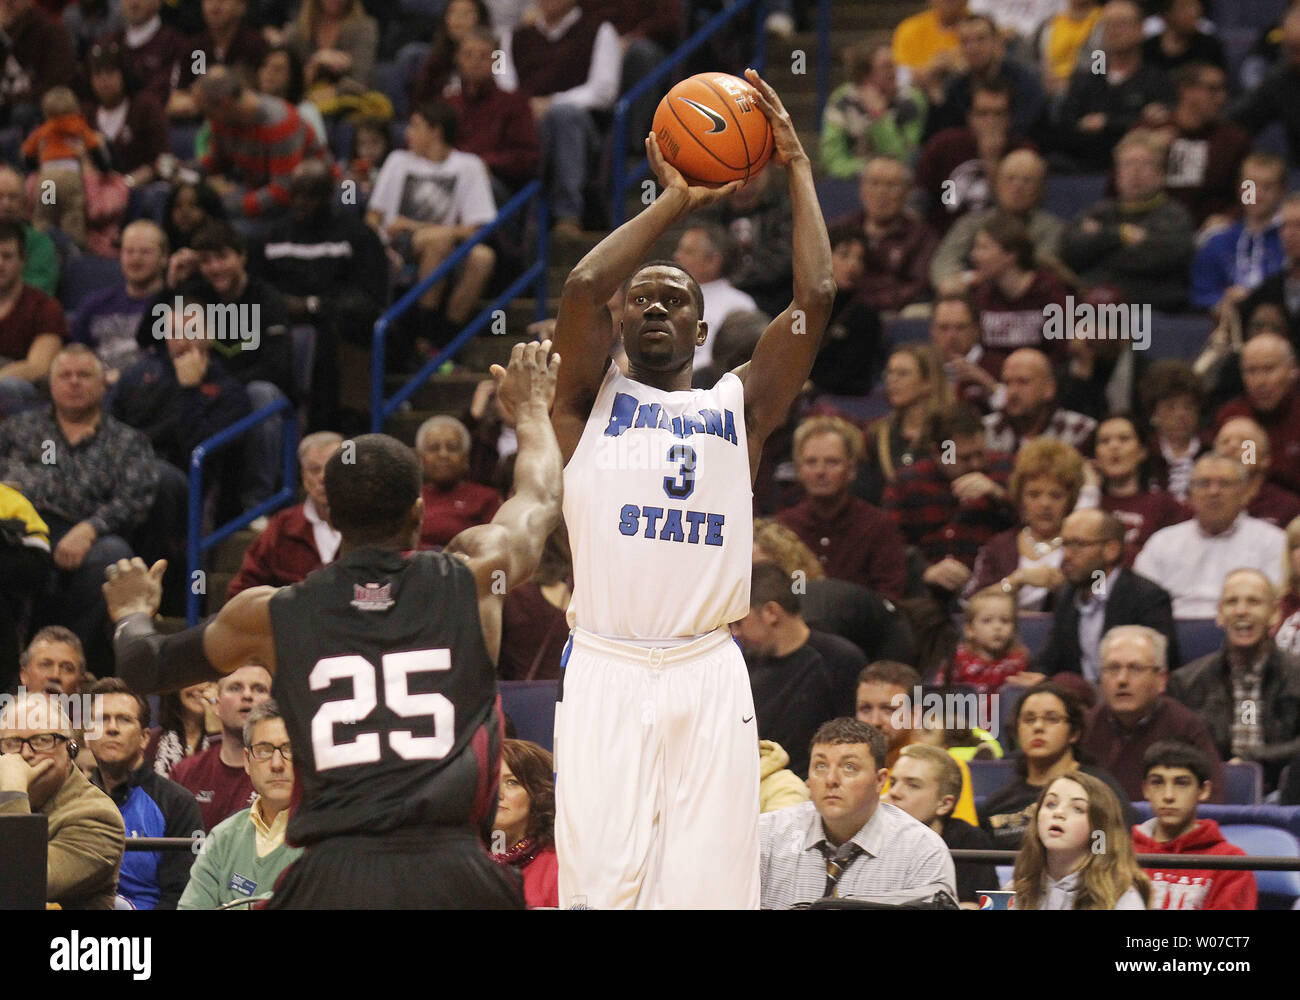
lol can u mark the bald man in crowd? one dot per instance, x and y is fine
(1029, 408)
(1268, 371)
(1245, 440)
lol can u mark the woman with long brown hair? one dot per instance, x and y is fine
(1080, 853)
(524, 829)
(915, 386)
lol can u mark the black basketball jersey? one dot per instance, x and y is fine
(388, 695)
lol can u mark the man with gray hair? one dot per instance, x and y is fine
(38, 745)
(1272, 398)
(1191, 559)
(452, 501)
(1248, 691)
(245, 853)
(53, 662)
(1134, 711)
(298, 539)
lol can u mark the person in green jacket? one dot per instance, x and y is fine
(245, 854)
(871, 115)
(42, 267)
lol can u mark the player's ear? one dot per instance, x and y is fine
(701, 333)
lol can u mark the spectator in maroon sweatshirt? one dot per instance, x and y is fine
(226, 40)
(1268, 369)
(494, 124)
(1206, 150)
(452, 502)
(955, 172)
(1177, 778)
(298, 539)
(1143, 508)
(154, 51)
(38, 54)
(853, 540)
(1012, 292)
(899, 244)
(1245, 440)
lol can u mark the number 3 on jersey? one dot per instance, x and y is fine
(397, 668)
(684, 456)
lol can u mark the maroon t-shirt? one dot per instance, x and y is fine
(1010, 324)
(33, 314)
(221, 790)
(1143, 514)
(861, 544)
(449, 512)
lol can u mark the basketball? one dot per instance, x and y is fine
(711, 128)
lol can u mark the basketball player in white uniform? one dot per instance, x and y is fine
(656, 745)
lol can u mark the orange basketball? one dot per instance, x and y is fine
(711, 128)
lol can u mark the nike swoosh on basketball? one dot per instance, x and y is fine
(719, 123)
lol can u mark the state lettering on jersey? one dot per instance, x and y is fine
(672, 524)
(629, 413)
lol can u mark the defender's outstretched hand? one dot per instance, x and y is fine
(786, 139)
(670, 177)
(530, 377)
(133, 588)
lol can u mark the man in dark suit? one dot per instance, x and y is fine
(1098, 595)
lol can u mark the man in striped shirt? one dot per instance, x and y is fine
(257, 140)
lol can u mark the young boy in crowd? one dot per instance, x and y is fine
(59, 146)
(925, 783)
(1178, 777)
(991, 653)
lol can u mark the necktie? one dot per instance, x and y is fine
(837, 863)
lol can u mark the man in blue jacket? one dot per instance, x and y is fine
(151, 806)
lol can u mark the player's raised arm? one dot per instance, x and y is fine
(152, 663)
(786, 351)
(583, 330)
(504, 553)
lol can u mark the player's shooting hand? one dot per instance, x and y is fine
(530, 378)
(670, 178)
(788, 147)
(132, 588)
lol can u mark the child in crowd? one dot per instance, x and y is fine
(1080, 856)
(991, 654)
(1177, 776)
(58, 147)
(371, 144)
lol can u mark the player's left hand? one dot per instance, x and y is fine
(698, 196)
(788, 147)
(530, 377)
(133, 588)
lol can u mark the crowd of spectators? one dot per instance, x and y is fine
(926, 498)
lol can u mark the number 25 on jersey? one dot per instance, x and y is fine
(397, 669)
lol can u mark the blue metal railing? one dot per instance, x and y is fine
(197, 544)
(381, 409)
(620, 175)
(823, 58)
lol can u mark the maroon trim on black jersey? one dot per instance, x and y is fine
(486, 748)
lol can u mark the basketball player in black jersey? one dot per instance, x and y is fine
(384, 669)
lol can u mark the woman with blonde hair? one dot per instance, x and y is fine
(775, 543)
(915, 386)
(1026, 560)
(1080, 854)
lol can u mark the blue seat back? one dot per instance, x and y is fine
(1243, 783)
(84, 274)
(531, 707)
(1197, 637)
(1067, 195)
(1277, 890)
(987, 776)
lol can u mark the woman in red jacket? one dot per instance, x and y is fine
(525, 825)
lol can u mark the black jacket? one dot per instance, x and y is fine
(1205, 686)
(1135, 601)
(972, 879)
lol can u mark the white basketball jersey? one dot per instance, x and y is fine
(660, 511)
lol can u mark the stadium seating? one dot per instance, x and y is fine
(1197, 637)
(531, 707)
(1243, 783)
(903, 331)
(1175, 336)
(1277, 890)
(84, 274)
(1034, 627)
(987, 776)
(1066, 195)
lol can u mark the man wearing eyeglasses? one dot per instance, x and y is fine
(244, 856)
(37, 774)
(1098, 596)
(1135, 712)
(151, 806)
